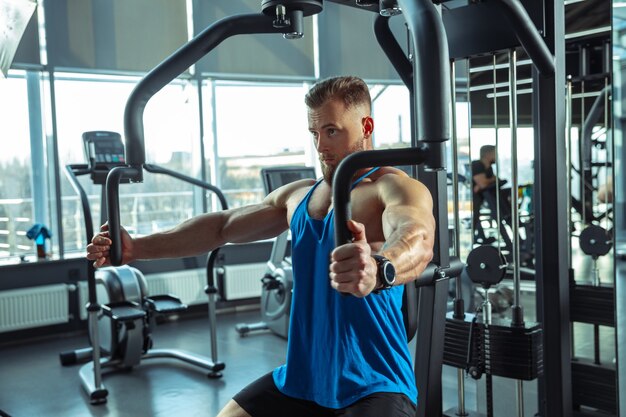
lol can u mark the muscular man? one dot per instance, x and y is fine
(346, 355)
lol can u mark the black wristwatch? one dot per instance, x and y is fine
(385, 275)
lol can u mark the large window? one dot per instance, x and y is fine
(171, 128)
(525, 151)
(392, 116)
(16, 202)
(257, 126)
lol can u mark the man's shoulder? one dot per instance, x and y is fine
(393, 179)
(299, 187)
(287, 193)
(477, 167)
(389, 173)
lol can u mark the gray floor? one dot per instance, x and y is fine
(33, 383)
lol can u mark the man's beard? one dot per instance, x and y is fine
(329, 171)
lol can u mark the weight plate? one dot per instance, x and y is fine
(486, 265)
(595, 241)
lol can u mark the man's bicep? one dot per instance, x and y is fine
(411, 205)
(254, 222)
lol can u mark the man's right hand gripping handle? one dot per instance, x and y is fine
(99, 250)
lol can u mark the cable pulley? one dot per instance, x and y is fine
(486, 266)
(595, 241)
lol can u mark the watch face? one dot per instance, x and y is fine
(389, 273)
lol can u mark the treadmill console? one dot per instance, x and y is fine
(103, 151)
(274, 178)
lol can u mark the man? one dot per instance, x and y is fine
(482, 170)
(346, 355)
(484, 190)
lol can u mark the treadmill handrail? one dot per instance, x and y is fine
(157, 169)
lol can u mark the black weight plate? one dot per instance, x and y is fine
(595, 241)
(486, 265)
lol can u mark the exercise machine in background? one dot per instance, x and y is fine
(278, 279)
(122, 314)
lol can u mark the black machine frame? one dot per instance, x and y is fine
(426, 75)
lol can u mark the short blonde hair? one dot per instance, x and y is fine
(351, 90)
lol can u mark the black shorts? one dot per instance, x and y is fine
(262, 399)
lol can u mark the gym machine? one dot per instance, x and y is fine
(470, 28)
(594, 379)
(121, 313)
(277, 283)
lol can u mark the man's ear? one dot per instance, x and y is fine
(368, 126)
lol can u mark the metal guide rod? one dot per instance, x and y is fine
(514, 185)
(495, 127)
(486, 307)
(94, 332)
(457, 226)
(455, 170)
(460, 373)
(581, 152)
(568, 163)
(211, 291)
(520, 398)
(608, 195)
(517, 310)
(569, 111)
(469, 146)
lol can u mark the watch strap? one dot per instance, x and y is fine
(381, 281)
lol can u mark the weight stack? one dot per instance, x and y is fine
(594, 385)
(593, 305)
(513, 351)
(455, 347)
(510, 352)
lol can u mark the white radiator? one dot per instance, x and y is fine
(243, 281)
(188, 285)
(26, 308)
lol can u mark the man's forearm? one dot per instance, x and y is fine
(410, 249)
(192, 237)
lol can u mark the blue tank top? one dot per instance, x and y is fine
(340, 348)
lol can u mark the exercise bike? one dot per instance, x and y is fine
(278, 279)
(122, 313)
